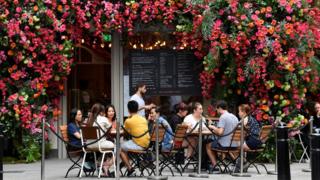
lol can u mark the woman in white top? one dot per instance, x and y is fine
(192, 120)
(99, 120)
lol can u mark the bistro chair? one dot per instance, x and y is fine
(144, 159)
(264, 136)
(227, 156)
(90, 134)
(168, 159)
(73, 154)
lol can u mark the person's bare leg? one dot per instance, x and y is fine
(211, 154)
(125, 159)
(191, 146)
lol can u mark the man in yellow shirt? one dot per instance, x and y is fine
(137, 126)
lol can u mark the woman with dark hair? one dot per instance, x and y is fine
(181, 110)
(75, 137)
(74, 128)
(111, 115)
(98, 119)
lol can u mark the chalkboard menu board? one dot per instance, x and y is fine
(165, 72)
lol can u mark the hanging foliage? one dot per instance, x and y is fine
(262, 51)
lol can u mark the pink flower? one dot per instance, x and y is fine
(18, 9)
(13, 97)
(282, 2)
(247, 5)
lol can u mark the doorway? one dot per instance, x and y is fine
(90, 79)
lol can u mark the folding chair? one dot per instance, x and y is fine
(169, 156)
(227, 156)
(295, 137)
(264, 135)
(73, 154)
(143, 159)
(90, 134)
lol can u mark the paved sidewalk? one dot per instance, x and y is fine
(55, 169)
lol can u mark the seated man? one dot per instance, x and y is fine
(168, 138)
(227, 122)
(136, 125)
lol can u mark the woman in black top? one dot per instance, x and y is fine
(181, 110)
(252, 126)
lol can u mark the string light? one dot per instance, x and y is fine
(110, 45)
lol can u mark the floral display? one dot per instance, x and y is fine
(262, 52)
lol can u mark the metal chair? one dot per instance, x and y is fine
(169, 156)
(143, 159)
(90, 134)
(73, 154)
(264, 136)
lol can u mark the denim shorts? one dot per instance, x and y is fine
(253, 143)
(130, 145)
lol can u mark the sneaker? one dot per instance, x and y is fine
(87, 167)
(246, 166)
(122, 165)
(111, 174)
(130, 172)
(213, 168)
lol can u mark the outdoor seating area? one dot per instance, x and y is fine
(144, 160)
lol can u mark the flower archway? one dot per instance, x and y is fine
(254, 49)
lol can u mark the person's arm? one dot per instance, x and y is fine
(217, 130)
(147, 107)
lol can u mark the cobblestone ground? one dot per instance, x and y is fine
(55, 169)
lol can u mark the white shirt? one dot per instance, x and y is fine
(141, 103)
(192, 122)
(104, 124)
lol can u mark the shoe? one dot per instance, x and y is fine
(246, 167)
(130, 172)
(87, 167)
(213, 168)
(122, 165)
(111, 174)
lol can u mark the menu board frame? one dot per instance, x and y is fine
(165, 72)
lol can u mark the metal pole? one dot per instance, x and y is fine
(157, 154)
(199, 175)
(283, 153)
(275, 172)
(241, 174)
(43, 150)
(157, 147)
(315, 151)
(310, 133)
(1, 155)
(118, 149)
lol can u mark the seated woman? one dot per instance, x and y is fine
(99, 120)
(75, 137)
(74, 128)
(112, 116)
(181, 110)
(191, 121)
(155, 115)
(252, 127)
